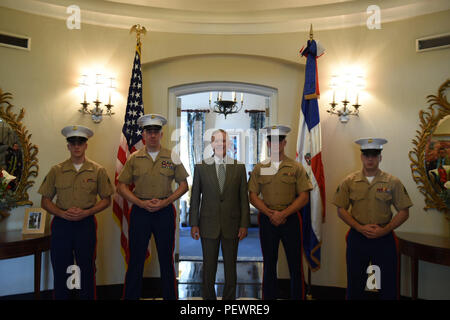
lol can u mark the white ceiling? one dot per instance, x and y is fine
(230, 16)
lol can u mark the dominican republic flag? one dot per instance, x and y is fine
(309, 154)
(130, 141)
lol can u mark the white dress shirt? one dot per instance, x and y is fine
(218, 162)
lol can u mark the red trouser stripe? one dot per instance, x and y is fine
(173, 249)
(346, 248)
(301, 254)
(259, 227)
(397, 249)
(93, 260)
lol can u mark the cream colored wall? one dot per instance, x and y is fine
(43, 81)
(398, 81)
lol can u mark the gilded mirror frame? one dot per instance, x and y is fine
(438, 109)
(29, 152)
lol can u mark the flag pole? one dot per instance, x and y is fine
(308, 290)
(130, 141)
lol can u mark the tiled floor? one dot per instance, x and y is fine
(249, 267)
(249, 279)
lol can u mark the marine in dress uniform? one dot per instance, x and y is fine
(76, 183)
(152, 170)
(284, 186)
(371, 239)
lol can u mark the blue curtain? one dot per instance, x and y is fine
(257, 121)
(196, 130)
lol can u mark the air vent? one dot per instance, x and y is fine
(439, 41)
(14, 41)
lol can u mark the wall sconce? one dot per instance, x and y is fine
(99, 86)
(347, 85)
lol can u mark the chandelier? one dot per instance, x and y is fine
(226, 107)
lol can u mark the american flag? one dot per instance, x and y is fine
(309, 153)
(130, 141)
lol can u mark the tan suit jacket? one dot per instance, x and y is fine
(216, 212)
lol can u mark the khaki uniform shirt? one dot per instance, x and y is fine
(371, 202)
(76, 188)
(152, 179)
(279, 190)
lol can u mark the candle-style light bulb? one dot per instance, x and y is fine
(98, 82)
(84, 84)
(359, 86)
(334, 84)
(111, 88)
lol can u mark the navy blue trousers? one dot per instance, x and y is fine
(142, 225)
(381, 252)
(290, 233)
(74, 242)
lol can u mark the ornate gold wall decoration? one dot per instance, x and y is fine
(438, 109)
(30, 166)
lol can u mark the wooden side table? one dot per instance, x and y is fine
(14, 244)
(424, 247)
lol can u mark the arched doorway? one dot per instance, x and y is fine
(191, 99)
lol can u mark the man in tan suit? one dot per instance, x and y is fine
(219, 214)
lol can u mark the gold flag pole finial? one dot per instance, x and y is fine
(139, 30)
(311, 32)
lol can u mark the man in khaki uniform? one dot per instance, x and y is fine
(371, 239)
(284, 185)
(152, 170)
(76, 183)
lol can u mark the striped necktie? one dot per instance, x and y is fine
(221, 176)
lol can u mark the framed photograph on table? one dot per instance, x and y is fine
(34, 221)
